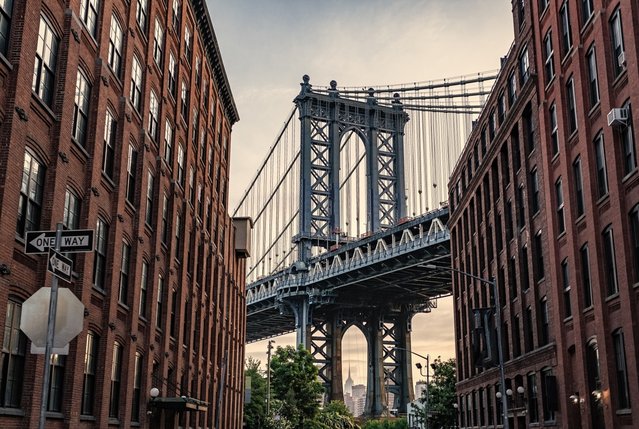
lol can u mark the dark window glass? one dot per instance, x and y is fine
(159, 303)
(538, 257)
(6, 9)
(554, 129)
(585, 276)
(137, 388)
(593, 83)
(579, 186)
(549, 65)
(56, 383)
(616, 39)
(610, 264)
(623, 394)
(148, 218)
(533, 412)
(565, 280)
(110, 127)
(116, 374)
(544, 322)
(115, 46)
(600, 159)
(548, 385)
(89, 14)
(131, 174)
(123, 293)
(14, 349)
(628, 143)
(81, 108)
(586, 10)
(144, 289)
(564, 23)
(31, 190)
(559, 195)
(100, 254)
(44, 68)
(571, 110)
(634, 225)
(90, 367)
(534, 192)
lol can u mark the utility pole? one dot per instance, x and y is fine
(268, 376)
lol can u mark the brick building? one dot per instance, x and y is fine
(116, 115)
(557, 224)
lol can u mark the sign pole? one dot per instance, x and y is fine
(53, 304)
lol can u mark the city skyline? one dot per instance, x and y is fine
(317, 41)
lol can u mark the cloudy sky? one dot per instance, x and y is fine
(267, 45)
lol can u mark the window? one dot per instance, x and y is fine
(100, 255)
(198, 74)
(564, 23)
(185, 101)
(534, 192)
(554, 130)
(549, 389)
(593, 84)
(521, 209)
(159, 303)
(559, 195)
(71, 216)
(585, 276)
(158, 41)
(501, 107)
(177, 15)
(628, 143)
(516, 152)
(549, 66)
(90, 368)
(44, 68)
(533, 413)
(538, 256)
(623, 395)
(137, 388)
(168, 142)
(31, 190)
(586, 10)
(172, 75)
(135, 93)
(200, 204)
(141, 14)
(210, 162)
(14, 349)
(529, 129)
(543, 4)
(173, 320)
(81, 107)
(154, 112)
(115, 46)
(131, 174)
(634, 225)
(143, 289)
(523, 269)
(148, 218)
(565, 281)
(524, 67)
(6, 8)
(180, 165)
(192, 186)
(529, 341)
(116, 374)
(571, 110)
(616, 38)
(600, 158)
(610, 265)
(124, 273)
(512, 90)
(594, 383)
(89, 14)
(178, 237)
(196, 124)
(544, 332)
(165, 219)
(56, 385)
(579, 186)
(110, 126)
(187, 44)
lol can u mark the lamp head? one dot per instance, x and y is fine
(520, 390)
(509, 392)
(154, 392)
(498, 395)
(418, 365)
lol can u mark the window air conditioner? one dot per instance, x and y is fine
(617, 116)
(621, 59)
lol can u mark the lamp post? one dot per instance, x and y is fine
(500, 351)
(268, 376)
(419, 367)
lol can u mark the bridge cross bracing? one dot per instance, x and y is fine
(348, 208)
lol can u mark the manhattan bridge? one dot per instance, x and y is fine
(349, 217)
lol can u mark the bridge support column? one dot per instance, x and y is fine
(302, 311)
(405, 389)
(376, 400)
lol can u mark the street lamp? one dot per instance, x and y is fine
(500, 352)
(268, 376)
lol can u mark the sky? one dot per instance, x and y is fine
(268, 45)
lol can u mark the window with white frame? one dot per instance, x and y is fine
(549, 66)
(115, 46)
(89, 14)
(610, 262)
(14, 351)
(125, 259)
(110, 126)
(89, 376)
(131, 173)
(81, 107)
(554, 129)
(593, 83)
(141, 14)
(100, 254)
(46, 57)
(587, 9)
(571, 108)
(184, 96)
(135, 93)
(180, 165)
(148, 218)
(600, 164)
(564, 24)
(165, 219)
(31, 194)
(579, 186)
(616, 38)
(628, 143)
(176, 15)
(524, 66)
(168, 143)
(154, 113)
(116, 379)
(187, 44)
(158, 42)
(623, 392)
(559, 196)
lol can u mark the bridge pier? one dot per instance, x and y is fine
(376, 398)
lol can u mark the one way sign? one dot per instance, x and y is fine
(73, 240)
(59, 265)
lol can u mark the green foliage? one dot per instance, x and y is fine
(386, 424)
(335, 415)
(294, 382)
(441, 391)
(255, 411)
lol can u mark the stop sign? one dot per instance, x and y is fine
(68, 321)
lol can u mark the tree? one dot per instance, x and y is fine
(255, 410)
(294, 382)
(334, 415)
(441, 395)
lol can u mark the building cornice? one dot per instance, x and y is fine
(212, 49)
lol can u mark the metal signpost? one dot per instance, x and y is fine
(55, 243)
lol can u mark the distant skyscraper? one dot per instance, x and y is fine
(348, 386)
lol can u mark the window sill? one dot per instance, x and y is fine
(18, 412)
(123, 306)
(621, 77)
(86, 418)
(628, 176)
(594, 109)
(114, 421)
(54, 415)
(561, 235)
(612, 297)
(603, 199)
(589, 309)
(98, 290)
(47, 110)
(6, 62)
(624, 412)
(580, 219)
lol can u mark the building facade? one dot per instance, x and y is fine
(550, 211)
(116, 116)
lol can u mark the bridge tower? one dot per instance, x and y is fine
(325, 118)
